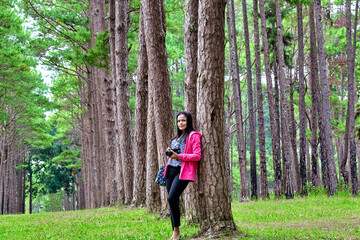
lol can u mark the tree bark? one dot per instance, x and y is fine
(302, 106)
(155, 32)
(141, 106)
(252, 129)
(216, 215)
(190, 45)
(315, 171)
(292, 129)
(275, 138)
(351, 93)
(289, 188)
(111, 185)
(122, 94)
(97, 25)
(153, 200)
(261, 129)
(237, 98)
(330, 161)
(190, 99)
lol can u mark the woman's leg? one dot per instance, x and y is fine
(174, 192)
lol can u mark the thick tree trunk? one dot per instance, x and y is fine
(252, 129)
(96, 26)
(215, 208)
(330, 161)
(111, 185)
(153, 200)
(155, 32)
(141, 106)
(122, 94)
(289, 188)
(262, 150)
(237, 98)
(190, 45)
(190, 99)
(275, 138)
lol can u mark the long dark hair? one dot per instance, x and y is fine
(189, 124)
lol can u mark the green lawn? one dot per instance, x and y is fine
(305, 218)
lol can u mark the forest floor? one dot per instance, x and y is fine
(315, 217)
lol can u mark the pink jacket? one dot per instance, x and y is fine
(190, 157)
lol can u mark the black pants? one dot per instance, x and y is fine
(174, 187)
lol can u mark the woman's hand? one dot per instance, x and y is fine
(174, 155)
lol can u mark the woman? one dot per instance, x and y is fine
(184, 153)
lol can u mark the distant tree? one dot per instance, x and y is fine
(275, 137)
(286, 144)
(315, 94)
(302, 110)
(252, 129)
(328, 147)
(260, 110)
(22, 107)
(350, 121)
(237, 97)
(141, 111)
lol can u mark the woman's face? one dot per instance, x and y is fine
(182, 122)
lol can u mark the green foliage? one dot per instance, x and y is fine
(288, 37)
(99, 55)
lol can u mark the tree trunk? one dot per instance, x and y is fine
(2, 167)
(30, 186)
(351, 93)
(94, 106)
(122, 94)
(252, 129)
(155, 31)
(275, 138)
(215, 208)
(153, 200)
(308, 162)
(330, 161)
(111, 185)
(227, 133)
(292, 128)
(85, 189)
(315, 94)
(262, 150)
(358, 153)
(237, 98)
(289, 188)
(190, 45)
(141, 106)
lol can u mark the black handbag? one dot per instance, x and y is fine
(160, 178)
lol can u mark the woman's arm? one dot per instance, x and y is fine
(195, 142)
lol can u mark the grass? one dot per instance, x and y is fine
(303, 218)
(317, 217)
